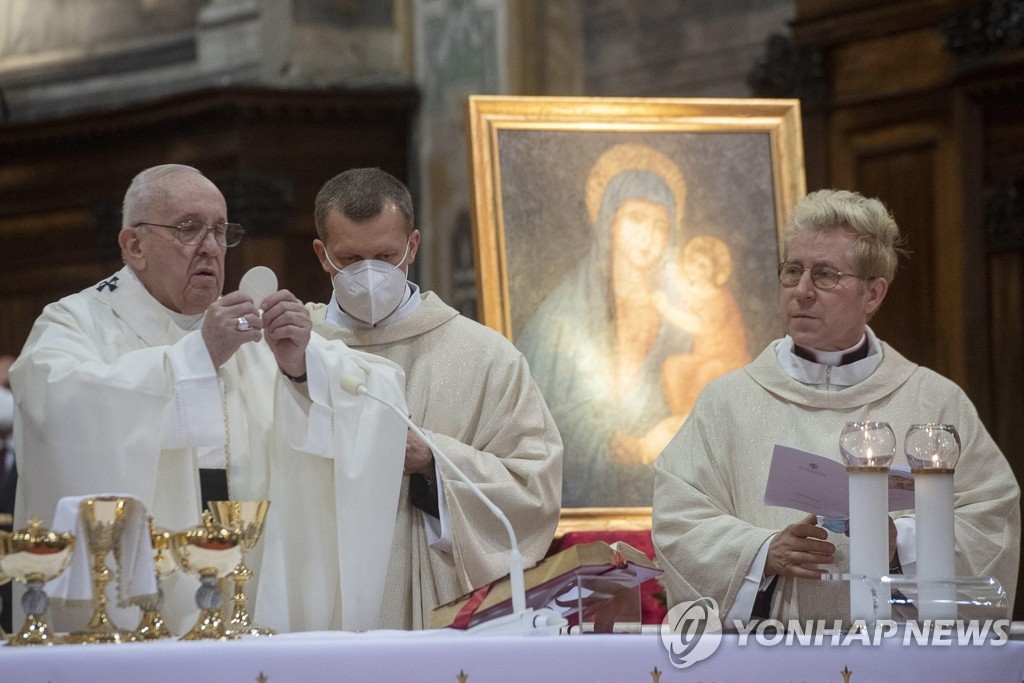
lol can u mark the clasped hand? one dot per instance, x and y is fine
(285, 324)
(798, 550)
(418, 457)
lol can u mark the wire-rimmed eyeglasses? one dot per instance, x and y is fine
(822, 277)
(194, 232)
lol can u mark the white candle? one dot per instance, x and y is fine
(932, 451)
(936, 564)
(869, 542)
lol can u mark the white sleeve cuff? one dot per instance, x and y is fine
(311, 426)
(439, 531)
(754, 582)
(195, 416)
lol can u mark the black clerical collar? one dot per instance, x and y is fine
(859, 352)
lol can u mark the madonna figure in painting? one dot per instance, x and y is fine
(597, 343)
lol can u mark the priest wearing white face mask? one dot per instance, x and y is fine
(466, 386)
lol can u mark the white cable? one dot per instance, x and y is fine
(355, 386)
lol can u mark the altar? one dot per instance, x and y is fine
(447, 656)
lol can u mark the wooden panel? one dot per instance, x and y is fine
(909, 317)
(831, 22)
(909, 61)
(906, 166)
(926, 111)
(1003, 175)
(1007, 282)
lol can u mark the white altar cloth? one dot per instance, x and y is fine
(446, 657)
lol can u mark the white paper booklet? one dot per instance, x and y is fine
(813, 483)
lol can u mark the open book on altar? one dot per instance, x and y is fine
(591, 578)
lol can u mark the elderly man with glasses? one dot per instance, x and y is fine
(154, 384)
(712, 532)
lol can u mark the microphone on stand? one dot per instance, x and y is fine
(522, 619)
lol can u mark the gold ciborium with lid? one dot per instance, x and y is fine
(33, 556)
(210, 552)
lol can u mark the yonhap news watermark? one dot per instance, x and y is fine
(692, 632)
(821, 632)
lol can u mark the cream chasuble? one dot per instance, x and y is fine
(472, 392)
(113, 396)
(709, 520)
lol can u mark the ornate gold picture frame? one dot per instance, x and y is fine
(628, 247)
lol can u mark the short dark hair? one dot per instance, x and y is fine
(361, 194)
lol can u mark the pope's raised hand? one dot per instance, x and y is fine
(230, 321)
(287, 326)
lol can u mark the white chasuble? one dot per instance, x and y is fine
(113, 396)
(709, 515)
(471, 391)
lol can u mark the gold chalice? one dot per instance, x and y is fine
(34, 556)
(209, 551)
(104, 520)
(152, 625)
(246, 517)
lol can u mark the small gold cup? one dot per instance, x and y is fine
(210, 552)
(246, 517)
(34, 556)
(104, 520)
(152, 625)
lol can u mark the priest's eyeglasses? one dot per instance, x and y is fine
(194, 232)
(822, 277)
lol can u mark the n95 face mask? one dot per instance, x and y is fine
(370, 290)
